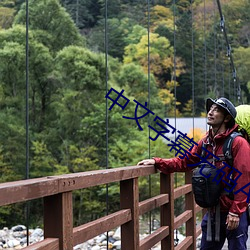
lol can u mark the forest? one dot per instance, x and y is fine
(57, 68)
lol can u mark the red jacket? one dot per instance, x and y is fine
(241, 161)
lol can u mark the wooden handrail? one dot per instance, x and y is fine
(58, 208)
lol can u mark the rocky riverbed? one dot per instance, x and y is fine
(16, 238)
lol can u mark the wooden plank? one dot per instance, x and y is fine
(129, 196)
(152, 203)
(185, 244)
(167, 210)
(198, 231)
(90, 230)
(24, 190)
(58, 219)
(182, 218)
(46, 244)
(94, 178)
(182, 190)
(99, 177)
(154, 238)
(198, 208)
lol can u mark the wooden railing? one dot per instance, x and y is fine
(56, 192)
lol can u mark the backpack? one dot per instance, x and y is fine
(207, 188)
(206, 181)
(243, 120)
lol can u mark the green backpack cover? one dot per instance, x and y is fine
(243, 118)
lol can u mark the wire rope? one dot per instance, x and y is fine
(174, 61)
(222, 69)
(149, 145)
(107, 120)
(229, 83)
(27, 207)
(236, 82)
(175, 91)
(77, 13)
(192, 25)
(215, 54)
(205, 48)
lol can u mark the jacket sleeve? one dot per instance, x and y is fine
(241, 156)
(177, 164)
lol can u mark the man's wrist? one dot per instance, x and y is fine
(233, 214)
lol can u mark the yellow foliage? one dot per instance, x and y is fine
(160, 53)
(173, 112)
(203, 114)
(172, 84)
(179, 67)
(166, 96)
(161, 15)
(196, 133)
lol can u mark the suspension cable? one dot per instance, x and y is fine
(215, 54)
(149, 145)
(27, 207)
(205, 50)
(107, 120)
(192, 24)
(175, 95)
(229, 53)
(174, 75)
(222, 68)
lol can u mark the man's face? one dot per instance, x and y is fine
(215, 116)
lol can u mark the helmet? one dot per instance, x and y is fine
(223, 103)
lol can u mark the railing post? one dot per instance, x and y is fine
(190, 205)
(167, 210)
(58, 219)
(129, 198)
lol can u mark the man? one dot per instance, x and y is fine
(221, 115)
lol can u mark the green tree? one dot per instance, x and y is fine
(135, 82)
(84, 13)
(42, 163)
(161, 57)
(117, 31)
(40, 60)
(241, 56)
(53, 25)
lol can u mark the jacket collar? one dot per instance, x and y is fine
(221, 136)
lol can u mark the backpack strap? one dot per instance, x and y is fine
(203, 152)
(209, 210)
(227, 147)
(227, 151)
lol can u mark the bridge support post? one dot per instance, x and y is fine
(167, 210)
(190, 205)
(58, 219)
(129, 198)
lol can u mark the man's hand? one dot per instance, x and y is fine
(232, 221)
(146, 162)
